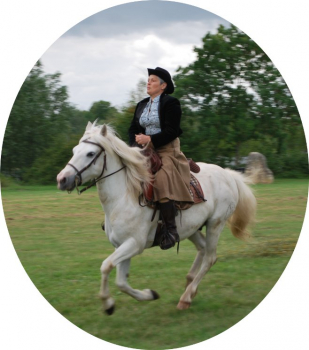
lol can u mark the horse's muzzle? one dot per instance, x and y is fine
(68, 183)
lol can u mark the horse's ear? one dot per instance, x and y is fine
(104, 130)
(88, 127)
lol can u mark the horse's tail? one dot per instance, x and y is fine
(244, 214)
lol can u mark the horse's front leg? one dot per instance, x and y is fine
(124, 252)
(122, 284)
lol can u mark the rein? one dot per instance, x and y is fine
(78, 178)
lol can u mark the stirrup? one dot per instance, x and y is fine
(168, 240)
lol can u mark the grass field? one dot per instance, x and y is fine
(60, 243)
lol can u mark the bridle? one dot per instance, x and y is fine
(78, 176)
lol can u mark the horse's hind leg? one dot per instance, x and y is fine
(198, 240)
(213, 230)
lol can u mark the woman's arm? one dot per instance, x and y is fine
(171, 124)
(133, 129)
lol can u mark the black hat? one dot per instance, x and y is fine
(165, 75)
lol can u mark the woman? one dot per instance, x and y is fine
(157, 121)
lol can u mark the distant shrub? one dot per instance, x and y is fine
(293, 164)
(8, 181)
(46, 167)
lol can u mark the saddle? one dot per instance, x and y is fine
(195, 187)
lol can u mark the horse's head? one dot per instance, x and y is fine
(98, 147)
(87, 162)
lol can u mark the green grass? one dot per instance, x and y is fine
(61, 246)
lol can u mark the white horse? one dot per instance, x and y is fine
(121, 173)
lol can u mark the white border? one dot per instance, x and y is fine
(28, 29)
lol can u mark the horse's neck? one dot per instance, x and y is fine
(113, 188)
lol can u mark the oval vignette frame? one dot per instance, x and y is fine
(211, 342)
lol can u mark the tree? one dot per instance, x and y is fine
(39, 113)
(49, 163)
(123, 121)
(78, 120)
(103, 111)
(231, 94)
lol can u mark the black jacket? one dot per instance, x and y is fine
(169, 114)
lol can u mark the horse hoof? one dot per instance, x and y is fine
(155, 295)
(110, 311)
(183, 305)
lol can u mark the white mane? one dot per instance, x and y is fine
(137, 174)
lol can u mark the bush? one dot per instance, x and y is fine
(45, 168)
(293, 164)
(8, 181)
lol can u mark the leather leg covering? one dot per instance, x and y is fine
(170, 237)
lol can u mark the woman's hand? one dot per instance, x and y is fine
(142, 139)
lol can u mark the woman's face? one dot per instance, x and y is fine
(154, 88)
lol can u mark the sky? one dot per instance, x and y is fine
(104, 56)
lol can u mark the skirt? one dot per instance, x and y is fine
(172, 181)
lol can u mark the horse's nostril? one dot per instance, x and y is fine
(63, 180)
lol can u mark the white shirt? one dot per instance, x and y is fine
(149, 119)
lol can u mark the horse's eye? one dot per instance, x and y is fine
(90, 154)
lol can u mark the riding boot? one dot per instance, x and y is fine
(168, 212)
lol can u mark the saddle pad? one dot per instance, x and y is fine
(196, 194)
(196, 190)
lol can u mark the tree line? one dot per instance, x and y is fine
(233, 98)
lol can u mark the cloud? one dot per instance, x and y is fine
(108, 69)
(104, 56)
(147, 17)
